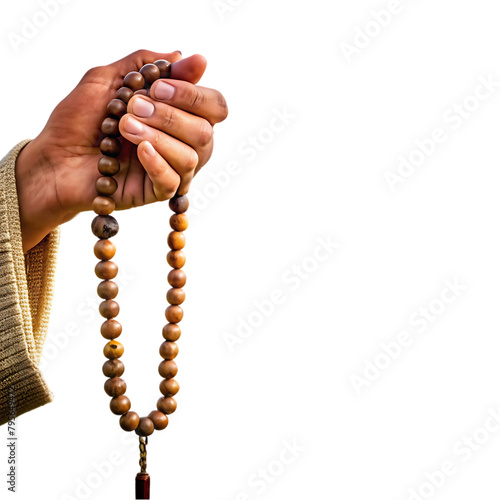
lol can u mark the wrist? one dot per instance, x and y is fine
(39, 209)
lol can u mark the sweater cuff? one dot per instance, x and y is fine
(26, 290)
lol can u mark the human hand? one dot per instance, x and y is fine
(56, 172)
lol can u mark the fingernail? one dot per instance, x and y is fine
(142, 108)
(149, 149)
(164, 91)
(133, 126)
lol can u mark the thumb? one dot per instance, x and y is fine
(190, 69)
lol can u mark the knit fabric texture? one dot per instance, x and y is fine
(26, 290)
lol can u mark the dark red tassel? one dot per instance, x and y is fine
(142, 486)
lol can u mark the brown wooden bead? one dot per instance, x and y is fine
(125, 94)
(176, 240)
(176, 296)
(109, 127)
(171, 332)
(133, 80)
(107, 290)
(105, 226)
(109, 309)
(174, 314)
(169, 387)
(113, 349)
(176, 278)
(166, 405)
(176, 258)
(113, 368)
(110, 147)
(108, 165)
(107, 270)
(179, 222)
(168, 350)
(117, 108)
(115, 387)
(164, 67)
(111, 329)
(120, 405)
(160, 420)
(104, 249)
(106, 185)
(129, 421)
(145, 427)
(167, 368)
(179, 204)
(103, 205)
(150, 72)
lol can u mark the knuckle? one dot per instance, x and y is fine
(168, 117)
(205, 134)
(92, 74)
(196, 99)
(191, 160)
(222, 107)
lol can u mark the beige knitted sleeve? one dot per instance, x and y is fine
(26, 288)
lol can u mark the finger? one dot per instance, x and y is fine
(181, 157)
(187, 128)
(190, 69)
(164, 179)
(200, 101)
(136, 60)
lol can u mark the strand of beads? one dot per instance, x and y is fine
(104, 226)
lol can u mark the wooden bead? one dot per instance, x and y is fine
(179, 222)
(110, 147)
(134, 80)
(125, 94)
(105, 226)
(171, 332)
(106, 185)
(176, 240)
(117, 108)
(166, 405)
(164, 67)
(111, 329)
(115, 387)
(174, 314)
(145, 427)
(167, 369)
(109, 309)
(104, 249)
(103, 205)
(150, 72)
(113, 349)
(159, 419)
(113, 368)
(107, 290)
(176, 296)
(108, 165)
(129, 421)
(169, 387)
(120, 405)
(168, 350)
(179, 204)
(109, 127)
(176, 277)
(176, 258)
(107, 270)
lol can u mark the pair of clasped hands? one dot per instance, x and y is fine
(170, 133)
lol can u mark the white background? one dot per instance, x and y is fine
(321, 177)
